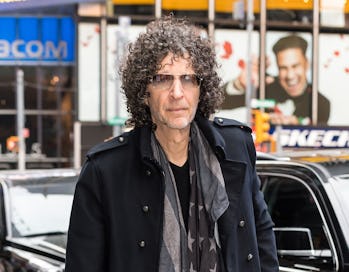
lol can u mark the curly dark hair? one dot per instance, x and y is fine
(163, 36)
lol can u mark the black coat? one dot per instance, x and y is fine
(116, 220)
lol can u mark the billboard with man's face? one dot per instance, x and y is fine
(289, 82)
(289, 79)
(288, 75)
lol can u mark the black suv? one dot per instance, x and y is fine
(308, 199)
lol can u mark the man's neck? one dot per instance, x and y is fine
(174, 144)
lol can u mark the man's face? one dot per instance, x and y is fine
(174, 107)
(293, 67)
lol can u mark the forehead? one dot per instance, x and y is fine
(172, 61)
(290, 57)
(290, 53)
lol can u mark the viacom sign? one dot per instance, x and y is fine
(310, 137)
(31, 40)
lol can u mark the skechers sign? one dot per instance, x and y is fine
(307, 136)
(37, 40)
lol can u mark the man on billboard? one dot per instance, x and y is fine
(290, 88)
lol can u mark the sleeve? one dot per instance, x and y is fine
(264, 224)
(265, 234)
(86, 234)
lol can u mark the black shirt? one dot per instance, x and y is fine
(181, 175)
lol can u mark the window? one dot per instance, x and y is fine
(49, 112)
(300, 231)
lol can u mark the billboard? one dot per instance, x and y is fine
(334, 75)
(232, 56)
(31, 40)
(288, 76)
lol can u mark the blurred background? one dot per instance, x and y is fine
(60, 91)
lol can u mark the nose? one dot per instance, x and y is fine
(291, 74)
(177, 88)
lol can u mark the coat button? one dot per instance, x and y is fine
(141, 244)
(148, 172)
(241, 223)
(121, 139)
(249, 257)
(145, 208)
(220, 120)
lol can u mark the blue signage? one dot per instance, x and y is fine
(31, 40)
(313, 137)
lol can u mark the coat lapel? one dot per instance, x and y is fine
(233, 170)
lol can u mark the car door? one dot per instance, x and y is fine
(302, 236)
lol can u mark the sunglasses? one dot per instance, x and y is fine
(165, 82)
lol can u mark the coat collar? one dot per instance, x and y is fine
(144, 140)
(214, 138)
(233, 171)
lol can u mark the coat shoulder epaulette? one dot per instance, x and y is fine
(108, 144)
(225, 122)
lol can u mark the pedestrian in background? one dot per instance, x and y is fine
(178, 192)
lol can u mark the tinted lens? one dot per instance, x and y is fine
(165, 82)
(190, 81)
(162, 81)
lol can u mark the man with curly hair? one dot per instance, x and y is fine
(178, 192)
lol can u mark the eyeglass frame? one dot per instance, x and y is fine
(173, 77)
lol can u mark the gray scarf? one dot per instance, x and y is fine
(198, 250)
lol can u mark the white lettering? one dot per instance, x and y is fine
(329, 137)
(4, 48)
(343, 139)
(314, 138)
(298, 137)
(20, 49)
(15, 49)
(34, 49)
(62, 47)
(283, 137)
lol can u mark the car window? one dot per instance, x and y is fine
(300, 232)
(50, 201)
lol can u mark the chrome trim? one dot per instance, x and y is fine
(308, 267)
(288, 269)
(52, 247)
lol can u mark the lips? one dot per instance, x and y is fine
(293, 85)
(176, 109)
